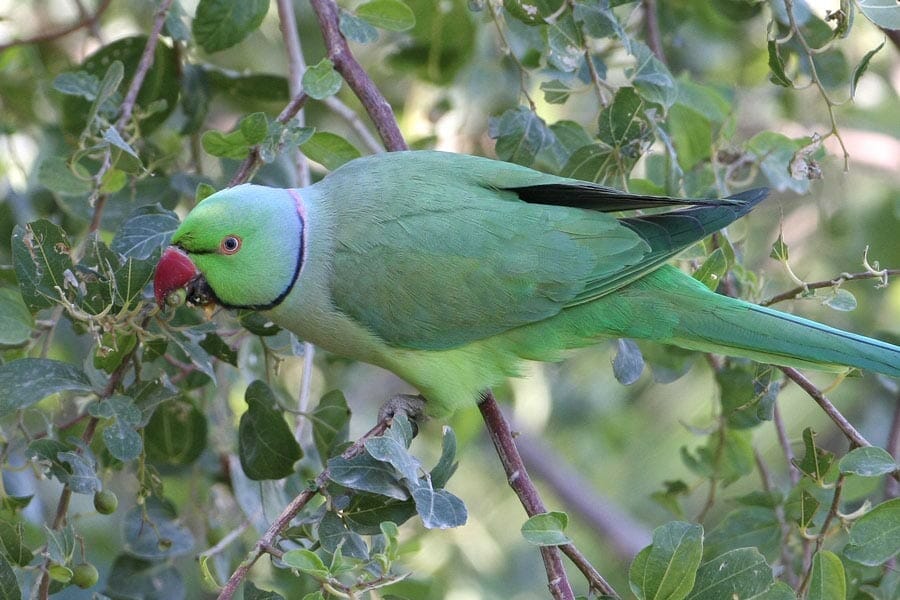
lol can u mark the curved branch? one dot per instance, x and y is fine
(86, 21)
(267, 541)
(796, 292)
(359, 81)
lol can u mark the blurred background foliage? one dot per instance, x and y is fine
(705, 99)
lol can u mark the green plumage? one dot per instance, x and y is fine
(450, 270)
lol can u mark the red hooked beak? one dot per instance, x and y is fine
(174, 271)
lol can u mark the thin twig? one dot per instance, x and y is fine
(290, 511)
(376, 105)
(248, 168)
(798, 291)
(651, 21)
(833, 413)
(296, 67)
(785, 443)
(832, 513)
(89, 21)
(518, 479)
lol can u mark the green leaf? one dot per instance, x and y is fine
(751, 526)
(565, 44)
(225, 145)
(388, 450)
(266, 446)
(532, 12)
(555, 91)
(321, 80)
(12, 540)
(827, 581)
(547, 529)
(651, 77)
(868, 461)
(154, 531)
(621, 123)
(666, 569)
(356, 29)
(596, 163)
(447, 464)
(334, 534)
(9, 586)
(27, 381)
(776, 64)
(220, 24)
(176, 433)
(815, 462)
(132, 577)
(329, 150)
(145, 232)
(16, 321)
(112, 135)
(392, 15)
(863, 65)
(628, 363)
(779, 249)
(713, 268)
(775, 152)
(692, 135)
(331, 419)
(875, 537)
(840, 299)
(251, 592)
(254, 127)
(520, 135)
(439, 509)
(741, 573)
(364, 473)
(82, 475)
(77, 83)
(122, 441)
(883, 13)
(56, 175)
(305, 561)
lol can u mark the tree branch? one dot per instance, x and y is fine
(359, 81)
(797, 292)
(248, 168)
(833, 413)
(86, 21)
(290, 511)
(651, 22)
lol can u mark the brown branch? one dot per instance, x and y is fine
(159, 19)
(248, 168)
(651, 21)
(625, 535)
(89, 21)
(62, 507)
(833, 413)
(891, 487)
(359, 81)
(267, 541)
(797, 292)
(517, 477)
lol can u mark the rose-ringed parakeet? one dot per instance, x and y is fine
(451, 270)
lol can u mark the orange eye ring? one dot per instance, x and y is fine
(230, 244)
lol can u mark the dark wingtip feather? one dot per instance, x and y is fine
(750, 198)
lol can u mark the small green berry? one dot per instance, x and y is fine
(105, 502)
(85, 575)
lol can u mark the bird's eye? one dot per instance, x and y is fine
(230, 244)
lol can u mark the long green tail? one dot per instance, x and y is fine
(685, 313)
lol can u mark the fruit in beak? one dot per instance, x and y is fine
(174, 271)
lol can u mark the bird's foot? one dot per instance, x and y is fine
(406, 404)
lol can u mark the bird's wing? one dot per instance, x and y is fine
(444, 257)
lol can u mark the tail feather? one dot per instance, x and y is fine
(687, 314)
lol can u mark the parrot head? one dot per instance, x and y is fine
(241, 248)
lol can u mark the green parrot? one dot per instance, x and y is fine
(451, 270)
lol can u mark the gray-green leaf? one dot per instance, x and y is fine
(875, 537)
(220, 24)
(392, 15)
(321, 80)
(741, 573)
(827, 581)
(667, 568)
(546, 529)
(29, 380)
(266, 446)
(868, 461)
(15, 319)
